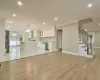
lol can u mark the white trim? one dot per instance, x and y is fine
(52, 50)
(67, 23)
(70, 53)
(96, 47)
(88, 56)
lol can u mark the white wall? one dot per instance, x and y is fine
(96, 39)
(70, 38)
(2, 40)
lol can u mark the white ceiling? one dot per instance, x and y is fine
(35, 12)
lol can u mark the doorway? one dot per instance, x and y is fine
(14, 45)
(59, 39)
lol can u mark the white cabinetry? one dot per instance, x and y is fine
(49, 33)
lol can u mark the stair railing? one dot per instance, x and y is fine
(85, 38)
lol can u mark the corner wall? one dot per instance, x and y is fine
(97, 40)
(70, 38)
(2, 40)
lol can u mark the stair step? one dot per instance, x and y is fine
(83, 46)
(85, 50)
(81, 43)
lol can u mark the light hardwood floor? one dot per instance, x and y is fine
(51, 66)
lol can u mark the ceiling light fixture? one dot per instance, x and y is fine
(28, 30)
(86, 30)
(56, 19)
(14, 15)
(19, 3)
(44, 23)
(90, 5)
(99, 24)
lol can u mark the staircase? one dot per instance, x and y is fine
(85, 43)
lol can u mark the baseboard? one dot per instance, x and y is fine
(88, 56)
(52, 51)
(70, 53)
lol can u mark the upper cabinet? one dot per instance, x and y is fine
(37, 34)
(49, 33)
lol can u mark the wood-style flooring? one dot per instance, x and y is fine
(51, 66)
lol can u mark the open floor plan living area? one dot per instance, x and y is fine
(49, 40)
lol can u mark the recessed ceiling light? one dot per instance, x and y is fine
(14, 15)
(99, 24)
(55, 18)
(44, 23)
(85, 29)
(19, 3)
(28, 30)
(90, 5)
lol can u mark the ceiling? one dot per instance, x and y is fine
(35, 12)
